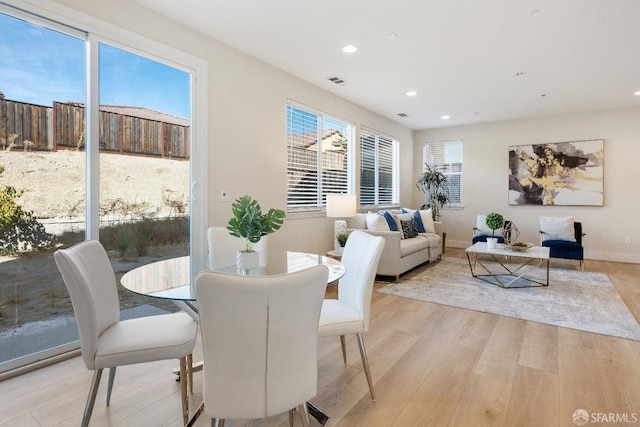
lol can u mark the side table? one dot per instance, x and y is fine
(335, 255)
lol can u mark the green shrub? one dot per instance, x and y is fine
(11, 213)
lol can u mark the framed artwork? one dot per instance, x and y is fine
(561, 174)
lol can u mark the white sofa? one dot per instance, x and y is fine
(401, 254)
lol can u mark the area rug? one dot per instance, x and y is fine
(574, 299)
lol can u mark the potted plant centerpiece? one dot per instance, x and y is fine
(250, 224)
(435, 185)
(494, 221)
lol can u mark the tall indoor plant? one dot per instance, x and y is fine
(435, 185)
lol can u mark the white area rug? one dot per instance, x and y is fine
(574, 299)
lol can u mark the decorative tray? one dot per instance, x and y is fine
(519, 247)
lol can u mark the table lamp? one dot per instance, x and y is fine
(340, 206)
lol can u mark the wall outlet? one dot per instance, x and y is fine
(627, 240)
(225, 196)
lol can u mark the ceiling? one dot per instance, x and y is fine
(472, 60)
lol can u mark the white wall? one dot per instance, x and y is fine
(485, 178)
(247, 121)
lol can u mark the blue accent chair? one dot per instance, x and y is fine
(480, 237)
(566, 249)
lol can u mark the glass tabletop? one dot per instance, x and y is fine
(171, 278)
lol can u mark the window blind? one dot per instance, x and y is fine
(446, 157)
(378, 169)
(318, 161)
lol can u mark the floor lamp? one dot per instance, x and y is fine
(340, 206)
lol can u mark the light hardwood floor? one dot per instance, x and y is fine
(432, 365)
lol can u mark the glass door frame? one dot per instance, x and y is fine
(94, 31)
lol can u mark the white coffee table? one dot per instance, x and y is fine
(511, 275)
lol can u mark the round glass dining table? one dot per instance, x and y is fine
(171, 278)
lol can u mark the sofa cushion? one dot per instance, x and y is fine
(359, 221)
(415, 244)
(409, 228)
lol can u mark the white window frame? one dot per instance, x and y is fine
(323, 186)
(447, 157)
(395, 168)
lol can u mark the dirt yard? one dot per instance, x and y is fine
(31, 288)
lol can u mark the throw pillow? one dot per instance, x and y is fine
(409, 228)
(417, 217)
(402, 217)
(427, 221)
(390, 221)
(376, 222)
(557, 228)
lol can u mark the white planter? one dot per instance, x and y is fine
(492, 242)
(247, 260)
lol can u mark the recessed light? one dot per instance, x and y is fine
(445, 117)
(349, 48)
(412, 93)
(637, 93)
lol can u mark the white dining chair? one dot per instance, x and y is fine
(349, 314)
(259, 339)
(105, 340)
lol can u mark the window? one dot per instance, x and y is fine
(378, 169)
(318, 158)
(446, 157)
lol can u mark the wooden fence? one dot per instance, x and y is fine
(62, 126)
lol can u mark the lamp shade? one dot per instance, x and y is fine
(341, 205)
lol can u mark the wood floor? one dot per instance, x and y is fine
(432, 365)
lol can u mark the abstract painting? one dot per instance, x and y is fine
(563, 174)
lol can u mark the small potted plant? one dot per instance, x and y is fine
(342, 240)
(494, 221)
(250, 224)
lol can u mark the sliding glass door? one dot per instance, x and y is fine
(125, 179)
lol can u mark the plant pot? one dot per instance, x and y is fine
(492, 242)
(247, 260)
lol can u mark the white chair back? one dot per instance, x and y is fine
(259, 339)
(90, 280)
(360, 257)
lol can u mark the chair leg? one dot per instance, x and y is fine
(190, 371)
(290, 417)
(91, 400)
(217, 422)
(183, 390)
(365, 365)
(304, 414)
(112, 377)
(344, 349)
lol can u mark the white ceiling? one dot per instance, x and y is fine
(463, 57)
